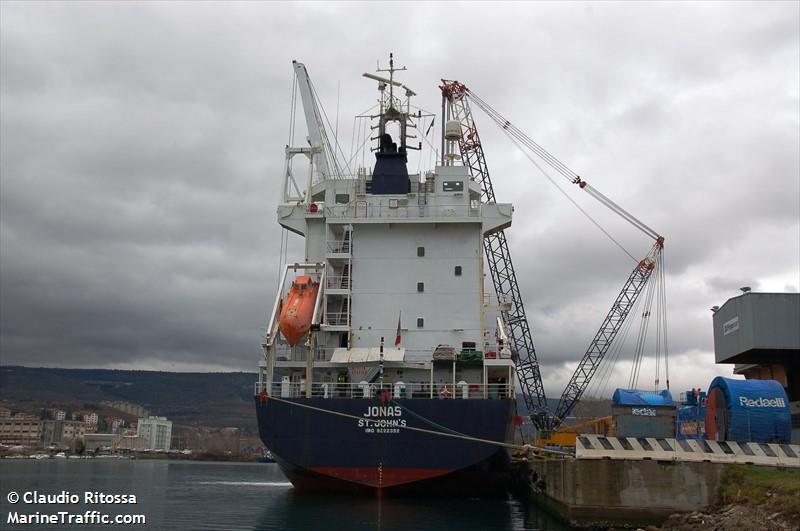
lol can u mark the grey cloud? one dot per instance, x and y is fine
(141, 147)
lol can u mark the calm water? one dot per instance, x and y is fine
(253, 496)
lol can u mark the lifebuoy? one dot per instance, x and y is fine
(263, 395)
(444, 392)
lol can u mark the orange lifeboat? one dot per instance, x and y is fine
(298, 309)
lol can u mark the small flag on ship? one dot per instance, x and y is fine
(397, 338)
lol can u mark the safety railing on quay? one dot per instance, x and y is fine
(444, 391)
(593, 446)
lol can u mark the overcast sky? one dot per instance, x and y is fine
(143, 144)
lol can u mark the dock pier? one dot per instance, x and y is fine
(624, 488)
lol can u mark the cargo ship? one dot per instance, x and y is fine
(386, 367)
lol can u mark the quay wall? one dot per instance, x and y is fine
(598, 492)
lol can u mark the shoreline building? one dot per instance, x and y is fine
(62, 432)
(157, 431)
(21, 430)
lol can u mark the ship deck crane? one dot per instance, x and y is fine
(499, 258)
(457, 96)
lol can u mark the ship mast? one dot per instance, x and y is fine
(393, 109)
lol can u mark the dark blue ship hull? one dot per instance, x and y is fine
(363, 445)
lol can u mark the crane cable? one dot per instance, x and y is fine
(520, 139)
(292, 119)
(644, 328)
(569, 198)
(662, 304)
(512, 130)
(360, 122)
(293, 112)
(641, 337)
(330, 151)
(530, 143)
(290, 142)
(661, 336)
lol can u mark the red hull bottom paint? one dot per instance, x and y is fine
(487, 478)
(380, 477)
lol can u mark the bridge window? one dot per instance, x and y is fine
(420, 251)
(420, 322)
(420, 287)
(458, 271)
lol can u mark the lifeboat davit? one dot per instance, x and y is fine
(298, 309)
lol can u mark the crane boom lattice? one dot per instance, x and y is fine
(505, 282)
(605, 336)
(499, 259)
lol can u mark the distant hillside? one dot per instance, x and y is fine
(210, 399)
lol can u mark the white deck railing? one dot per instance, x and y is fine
(338, 282)
(337, 318)
(410, 210)
(338, 246)
(298, 353)
(461, 391)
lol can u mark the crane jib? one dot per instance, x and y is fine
(457, 95)
(606, 335)
(499, 259)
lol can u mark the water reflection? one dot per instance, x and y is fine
(250, 496)
(299, 510)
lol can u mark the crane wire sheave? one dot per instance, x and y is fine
(499, 258)
(530, 376)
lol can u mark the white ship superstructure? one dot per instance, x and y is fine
(400, 263)
(384, 366)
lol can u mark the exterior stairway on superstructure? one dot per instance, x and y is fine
(337, 304)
